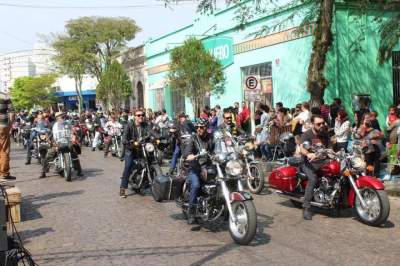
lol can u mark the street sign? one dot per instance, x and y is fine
(252, 88)
(252, 83)
(221, 48)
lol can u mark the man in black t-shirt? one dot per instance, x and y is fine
(315, 136)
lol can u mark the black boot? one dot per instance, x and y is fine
(28, 161)
(42, 175)
(307, 214)
(192, 214)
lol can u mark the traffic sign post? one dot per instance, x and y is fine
(252, 93)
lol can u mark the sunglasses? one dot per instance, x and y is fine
(319, 124)
(228, 117)
(140, 115)
(202, 127)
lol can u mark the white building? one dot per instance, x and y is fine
(39, 61)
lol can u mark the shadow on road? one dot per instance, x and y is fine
(62, 258)
(31, 204)
(89, 172)
(26, 235)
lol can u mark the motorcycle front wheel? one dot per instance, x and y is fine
(256, 181)
(67, 167)
(244, 230)
(378, 207)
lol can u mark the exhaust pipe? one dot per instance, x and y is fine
(286, 196)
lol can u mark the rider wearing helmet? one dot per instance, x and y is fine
(202, 141)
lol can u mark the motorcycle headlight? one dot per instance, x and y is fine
(358, 163)
(89, 126)
(233, 168)
(149, 147)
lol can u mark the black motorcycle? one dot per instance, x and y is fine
(40, 143)
(146, 169)
(222, 192)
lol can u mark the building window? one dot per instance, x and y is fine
(264, 71)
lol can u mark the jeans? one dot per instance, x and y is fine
(96, 139)
(310, 169)
(266, 151)
(193, 178)
(175, 156)
(30, 146)
(129, 164)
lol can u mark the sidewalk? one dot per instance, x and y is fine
(392, 187)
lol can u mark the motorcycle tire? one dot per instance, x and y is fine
(255, 183)
(246, 207)
(67, 167)
(156, 171)
(384, 208)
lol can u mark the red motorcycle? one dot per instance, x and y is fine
(342, 184)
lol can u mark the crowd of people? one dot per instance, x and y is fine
(328, 125)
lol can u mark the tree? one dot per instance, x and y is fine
(29, 92)
(72, 59)
(115, 86)
(194, 72)
(321, 13)
(103, 38)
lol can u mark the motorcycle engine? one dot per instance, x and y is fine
(326, 191)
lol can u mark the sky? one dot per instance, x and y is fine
(21, 27)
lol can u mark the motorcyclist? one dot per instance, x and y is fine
(39, 124)
(112, 128)
(60, 124)
(100, 121)
(200, 142)
(229, 126)
(185, 127)
(315, 136)
(135, 130)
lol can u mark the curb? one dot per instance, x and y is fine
(393, 193)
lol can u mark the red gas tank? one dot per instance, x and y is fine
(331, 169)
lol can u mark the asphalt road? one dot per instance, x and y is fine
(86, 223)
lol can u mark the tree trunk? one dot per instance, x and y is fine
(78, 88)
(316, 82)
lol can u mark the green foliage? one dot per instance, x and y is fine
(102, 39)
(115, 86)
(194, 72)
(29, 92)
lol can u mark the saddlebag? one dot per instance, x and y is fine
(167, 187)
(283, 178)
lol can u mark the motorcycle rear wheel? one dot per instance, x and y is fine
(244, 230)
(378, 207)
(255, 183)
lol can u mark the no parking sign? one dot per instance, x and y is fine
(252, 88)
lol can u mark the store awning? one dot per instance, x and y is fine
(73, 93)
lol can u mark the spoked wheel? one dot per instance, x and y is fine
(244, 229)
(256, 181)
(377, 209)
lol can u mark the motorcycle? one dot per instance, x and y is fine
(40, 141)
(89, 136)
(63, 160)
(165, 143)
(115, 137)
(251, 172)
(342, 184)
(222, 192)
(146, 168)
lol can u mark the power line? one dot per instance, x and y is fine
(80, 7)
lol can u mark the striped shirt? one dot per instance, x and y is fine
(5, 109)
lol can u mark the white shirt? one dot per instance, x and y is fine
(305, 119)
(61, 131)
(113, 128)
